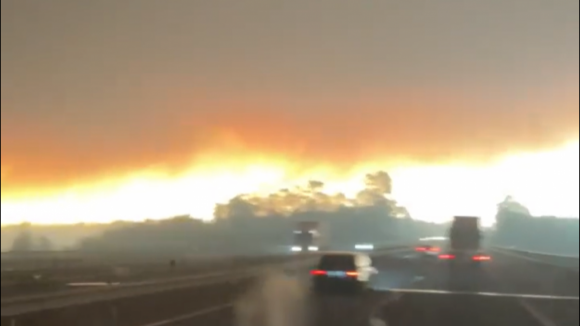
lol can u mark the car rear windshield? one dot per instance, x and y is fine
(337, 262)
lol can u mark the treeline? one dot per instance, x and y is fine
(45, 237)
(26, 240)
(249, 223)
(516, 227)
(265, 234)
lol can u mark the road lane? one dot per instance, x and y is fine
(455, 309)
(482, 305)
(409, 310)
(515, 275)
(268, 303)
(395, 273)
(444, 306)
(504, 274)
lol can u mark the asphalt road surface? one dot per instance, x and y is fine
(408, 293)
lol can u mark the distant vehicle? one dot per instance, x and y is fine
(364, 247)
(464, 245)
(308, 237)
(430, 248)
(342, 272)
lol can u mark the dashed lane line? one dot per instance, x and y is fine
(192, 315)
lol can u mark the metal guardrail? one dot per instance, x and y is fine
(118, 285)
(564, 261)
(538, 253)
(43, 302)
(77, 292)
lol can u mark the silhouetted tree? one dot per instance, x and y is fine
(44, 244)
(250, 223)
(515, 226)
(24, 241)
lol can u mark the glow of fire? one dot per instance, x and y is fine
(547, 182)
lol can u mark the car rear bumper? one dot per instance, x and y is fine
(327, 285)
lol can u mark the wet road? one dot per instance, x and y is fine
(408, 293)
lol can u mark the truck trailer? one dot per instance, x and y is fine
(465, 238)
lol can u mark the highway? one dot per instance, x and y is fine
(507, 291)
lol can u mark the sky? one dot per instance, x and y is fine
(141, 109)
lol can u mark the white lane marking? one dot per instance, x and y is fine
(541, 318)
(190, 315)
(374, 318)
(93, 284)
(505, 295)
(207, 311)
(538, 316)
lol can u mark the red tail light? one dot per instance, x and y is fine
(446, 257)
(420, 249)
(321, 273)
(435, 249)
(481, 258)
(317, 272)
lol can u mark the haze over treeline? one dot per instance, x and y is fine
(263, 223)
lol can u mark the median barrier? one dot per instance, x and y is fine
(226, 266)
(563, 261)
(18, 306)
(19, 285)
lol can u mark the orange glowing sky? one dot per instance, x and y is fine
(166, 110)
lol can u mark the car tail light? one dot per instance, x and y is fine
(481, 258)
(435, 249)
(317, 272)
(446, 257)
(352, 274)
(420, 249)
